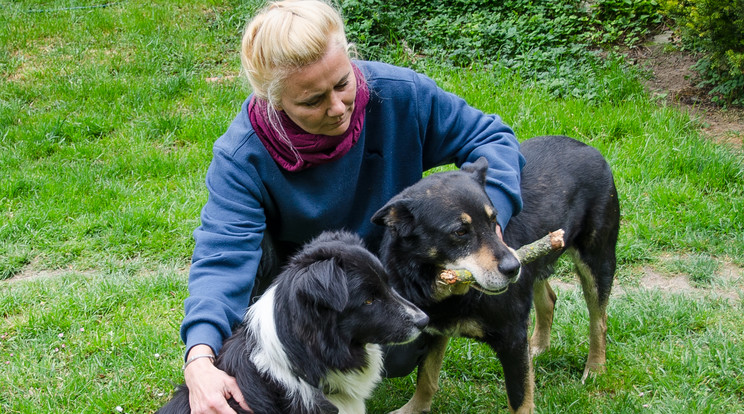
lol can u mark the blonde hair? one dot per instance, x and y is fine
(285, 36)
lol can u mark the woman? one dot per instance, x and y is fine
(322, 143)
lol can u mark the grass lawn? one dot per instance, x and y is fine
(108, 112)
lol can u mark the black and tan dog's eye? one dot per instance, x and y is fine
(462, 231)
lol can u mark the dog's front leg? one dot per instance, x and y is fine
(519, 377)
(544, 299)
(427, 380)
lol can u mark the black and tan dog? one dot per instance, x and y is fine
(446, 221)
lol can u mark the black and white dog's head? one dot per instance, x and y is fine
(447, 221)
(319, 318)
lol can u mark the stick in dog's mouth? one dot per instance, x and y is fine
(480, 288)
(528, 253)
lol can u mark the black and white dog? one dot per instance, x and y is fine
(446, 221)
(311, 343)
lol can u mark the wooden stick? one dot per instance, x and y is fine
(530, 252)
(526, 254)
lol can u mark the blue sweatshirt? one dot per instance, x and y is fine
(411, 125)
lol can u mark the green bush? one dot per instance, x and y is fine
(716, 29)
(546, 42)
(626, 22)
(553, 43)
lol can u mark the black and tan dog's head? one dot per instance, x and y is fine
(447, 221)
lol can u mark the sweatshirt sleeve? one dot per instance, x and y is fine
(227, 253)
(455, 132)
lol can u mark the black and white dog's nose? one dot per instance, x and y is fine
(421, 321)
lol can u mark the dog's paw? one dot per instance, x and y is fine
(538, 346)
(413, 408)
(592, 370)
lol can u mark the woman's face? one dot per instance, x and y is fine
(320, 97)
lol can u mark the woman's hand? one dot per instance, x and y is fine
(499, 233)
(210, 387)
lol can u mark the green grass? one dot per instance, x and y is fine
(89, 343)
(107, 117)
(693, 359)
(75, 343)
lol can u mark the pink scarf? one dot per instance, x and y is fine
(311, 149)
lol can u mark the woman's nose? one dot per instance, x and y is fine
(338, 107)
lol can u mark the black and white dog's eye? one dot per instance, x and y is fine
(369, 301)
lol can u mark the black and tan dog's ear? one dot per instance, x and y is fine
(323, 284)
(396, 216)
(477, 169)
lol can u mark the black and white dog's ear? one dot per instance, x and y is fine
(395, 215)
(323, 284)
(322, 295)
(477, 169)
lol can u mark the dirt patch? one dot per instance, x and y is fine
(727, 283)
(674, 284)
(31, 272)
(672, 80)
(35, 275)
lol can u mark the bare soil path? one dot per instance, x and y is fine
(673, 81)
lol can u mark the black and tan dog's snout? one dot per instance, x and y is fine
(493, 271)
(507, 271)
(510, 267)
